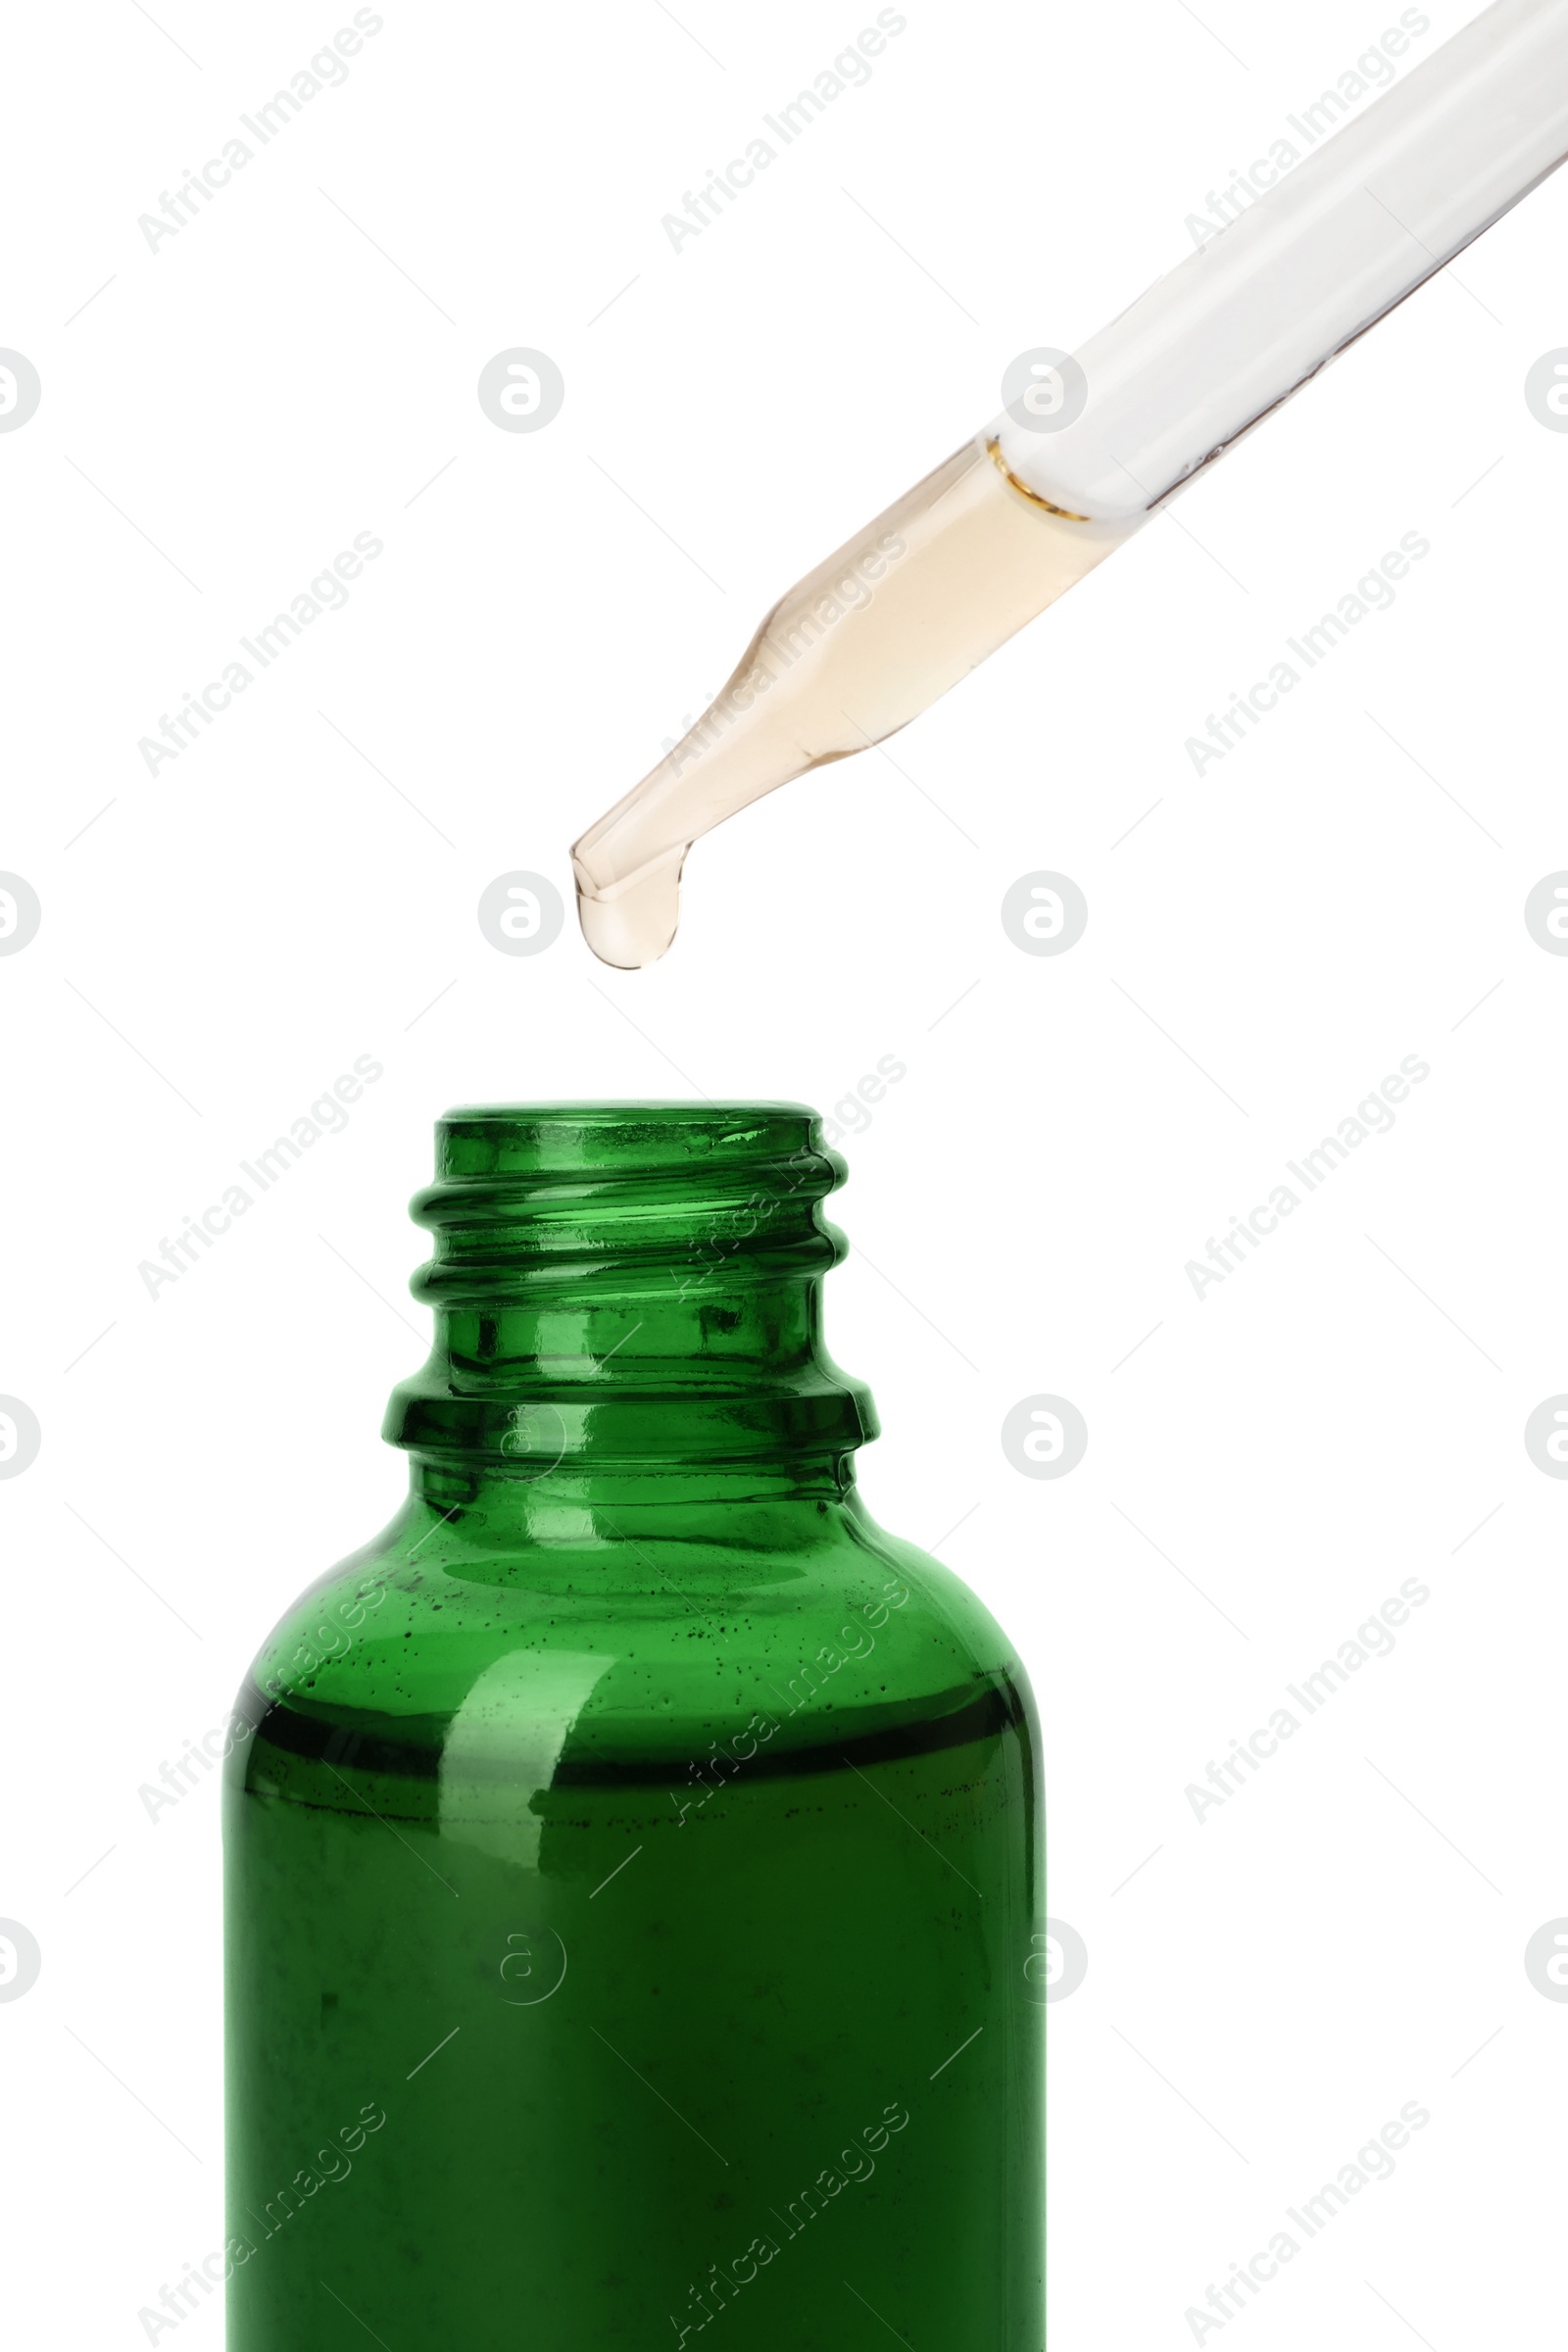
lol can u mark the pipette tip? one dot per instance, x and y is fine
(634, 921)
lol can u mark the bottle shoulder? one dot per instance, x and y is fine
(626, 1638)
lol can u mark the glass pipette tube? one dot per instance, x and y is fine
(1089, 448)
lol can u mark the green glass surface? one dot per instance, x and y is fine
(635, 1919)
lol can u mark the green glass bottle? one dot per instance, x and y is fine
(635, 1920)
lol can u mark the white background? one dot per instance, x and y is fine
(298, 364)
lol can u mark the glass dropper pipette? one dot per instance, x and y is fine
(1089, 446)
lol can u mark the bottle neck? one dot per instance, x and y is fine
(633, 1299)
(563, 1503)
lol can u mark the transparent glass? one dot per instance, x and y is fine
(1081, 456)
(633, 1854)
(854, 651)
(1345, 234)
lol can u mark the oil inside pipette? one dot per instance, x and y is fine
(854, 651)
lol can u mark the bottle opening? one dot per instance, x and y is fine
(628, 1282)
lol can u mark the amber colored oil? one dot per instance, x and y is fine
(855, 649)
